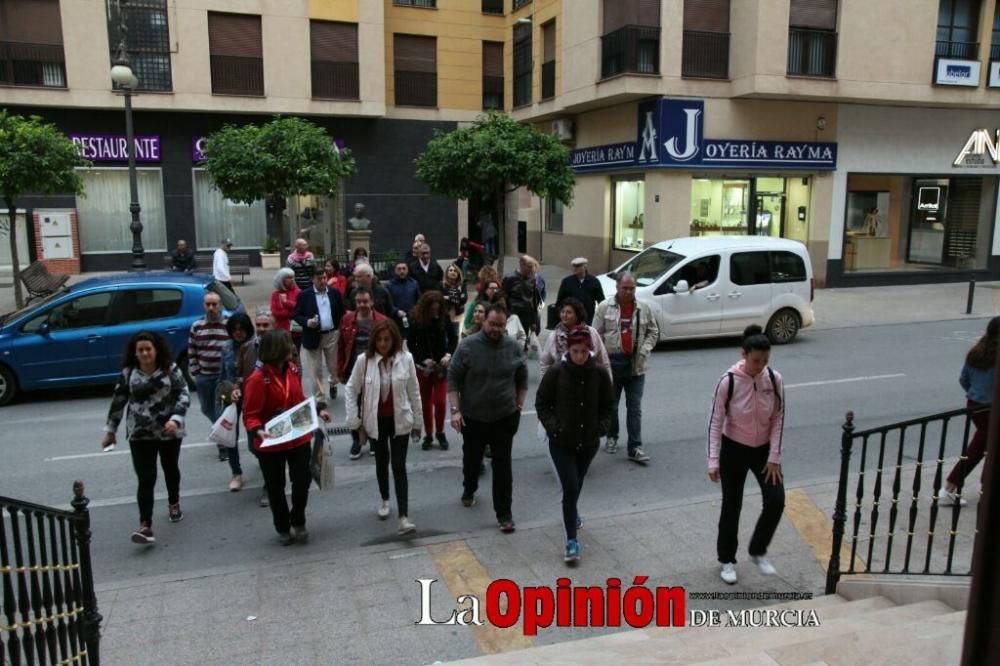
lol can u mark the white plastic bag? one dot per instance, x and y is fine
(223, 431)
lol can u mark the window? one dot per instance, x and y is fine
(748, 268)
(631, 40)
(132, 305)
(493, 75)
(104, 215)
(522, 65)
(628, 212)
(651, 265)
(430, 4)
(84, 312)
(957, 29)
(493, 7)
(415, 70)
(705, 53)
(787, 267)
(31, 44)
(812, 38)
(216, 217)
(334, 53)
(148, 41)
(521, 3)
(554, 216)
(549, 60)
(237, 54)
(995, 41)
(699, 274)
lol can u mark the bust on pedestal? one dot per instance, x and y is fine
(358, 233)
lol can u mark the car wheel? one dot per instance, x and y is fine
(784, 326)
(8, 385)
(182, 363)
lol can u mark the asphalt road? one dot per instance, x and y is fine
(883, 373)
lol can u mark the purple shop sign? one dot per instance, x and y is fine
(114, 147)
(198, 147)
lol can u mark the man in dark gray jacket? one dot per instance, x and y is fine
(487, 386)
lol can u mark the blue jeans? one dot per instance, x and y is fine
(633, 385)
(207, 386)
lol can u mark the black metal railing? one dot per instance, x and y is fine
(335, 80)
(705, 55)
(812, 52)
(894, 459)
(493, 92)
(958, 50)
(416, 88)
(49, 609)
(995, 53)
(237, 75)
(633, 49)
(549, 79)
(32, 65)
(493, 7)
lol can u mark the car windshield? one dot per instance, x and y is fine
(230, 301)
(650, 265)
(30, 308)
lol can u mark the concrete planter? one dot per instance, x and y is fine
(270, 260)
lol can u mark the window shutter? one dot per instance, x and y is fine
(618, 14)
(549, 41)
(415, 54)
(706, 15)
(493, 59)
(648, 13)
(333, 42)
(234, 35)
(815, 14)
(30, 21)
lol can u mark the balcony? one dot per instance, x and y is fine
(633, 49)
(812, 52)
(237, 75)
(416, 88)
(493, 92)
(549, 79)
(957, 50)
(705, 55)
(493, 7)
(335, 80)
(995, 53)
(32, 65)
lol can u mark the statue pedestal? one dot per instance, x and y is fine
(359, 238)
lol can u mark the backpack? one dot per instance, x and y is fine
(770, 373)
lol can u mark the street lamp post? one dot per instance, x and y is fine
(126, 80)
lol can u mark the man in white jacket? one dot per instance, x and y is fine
(220, 264)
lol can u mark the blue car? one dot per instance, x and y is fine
(75, 337)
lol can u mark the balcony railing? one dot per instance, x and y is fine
(705, 55)
(957, 50)
(493, 92)
(237, 75)
(335, 80)
(995, 53)
(32, 65)
(416, 88)
(632, 49)
(549, 79)
(493, 7)
(812, 52)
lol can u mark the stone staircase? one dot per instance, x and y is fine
(867, 622)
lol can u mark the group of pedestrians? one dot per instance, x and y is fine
(400, 379)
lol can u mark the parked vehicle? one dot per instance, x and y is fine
(718, 285)
(75, 336)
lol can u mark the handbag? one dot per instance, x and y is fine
(321, 462)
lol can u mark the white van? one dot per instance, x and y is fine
(718, 285)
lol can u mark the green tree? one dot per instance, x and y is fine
(282, 158)
(35, 157)
(493, 156)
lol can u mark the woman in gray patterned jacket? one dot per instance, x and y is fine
(156, 393)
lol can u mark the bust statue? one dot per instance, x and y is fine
(359, 222)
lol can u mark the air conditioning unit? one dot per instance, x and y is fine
(563, 129)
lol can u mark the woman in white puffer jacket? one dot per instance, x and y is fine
(383, 401)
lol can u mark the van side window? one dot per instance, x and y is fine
(699, 274)
(747, 268)
(787, 267)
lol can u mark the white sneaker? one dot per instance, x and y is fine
(235, 483)
(764, 565)
(383, 510)
(946, 498)
(728, 573)
(406, 526)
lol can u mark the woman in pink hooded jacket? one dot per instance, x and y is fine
(744, 434)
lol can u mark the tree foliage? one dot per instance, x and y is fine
(36, 158)
(282, 158)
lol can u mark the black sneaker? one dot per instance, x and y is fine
(507, 526)
(285, 538)
(442, 441)
(175, 514)
(427, 443)
(468, 500)
(638, 455)
(300, 533)
(356, 448)
(264, 500)
(144, 536)
(223, 454)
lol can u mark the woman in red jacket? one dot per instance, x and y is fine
(283, 299)
(271, 389)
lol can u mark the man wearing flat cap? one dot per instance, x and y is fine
(582, 285)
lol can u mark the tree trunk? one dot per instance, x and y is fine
(283, 239)
(14, 263)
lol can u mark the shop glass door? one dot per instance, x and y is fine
(930, 214)
(768, 213)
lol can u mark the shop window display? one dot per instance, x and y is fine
(762, 206)
(104, 215)
(217, 217)
(629, 213)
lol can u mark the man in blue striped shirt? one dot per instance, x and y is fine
(206, 341)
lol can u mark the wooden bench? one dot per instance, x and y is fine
(239, 264)
(39, 282)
